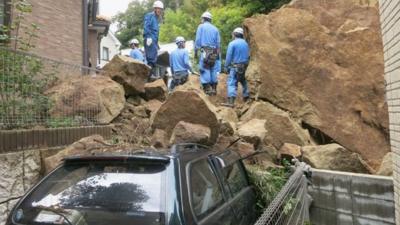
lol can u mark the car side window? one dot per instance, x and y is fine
(235, 178)
(205, 192)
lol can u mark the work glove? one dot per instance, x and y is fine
(149, 41)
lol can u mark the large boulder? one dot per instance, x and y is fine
(188, 106)
(85, 146)
(281, 128)
(253, 131)
(322, 61)
(130, 73)
(95, 98)
(333, 157)
(156, 90)
(190, 133)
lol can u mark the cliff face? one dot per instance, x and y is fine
(322, 61)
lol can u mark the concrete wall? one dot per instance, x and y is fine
(351, 199)
(60, 35)
(390, 22)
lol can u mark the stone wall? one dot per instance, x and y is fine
(18, 172)
(390, 23)
(353, 199)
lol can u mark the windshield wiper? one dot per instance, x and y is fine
(56, 210)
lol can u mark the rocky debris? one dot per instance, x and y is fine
(333, 157)
(131, 74)
(289, 152)
(86, 96)
(253, 131)
(159, 139)
(152, 106)
(156, 90)
(386, 168)
(135, 100)
(244, 149)
(188, 106)
(281, 128)
(323, 63)
(228, 120)
(85, 146)
(190, 133)
(140, 111)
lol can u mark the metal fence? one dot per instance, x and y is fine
(24, 103)
(292, 203)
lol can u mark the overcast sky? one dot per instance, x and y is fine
(110, 8)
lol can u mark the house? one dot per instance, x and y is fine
(70, 30)
(109, 47)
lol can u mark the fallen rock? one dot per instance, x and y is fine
(333, 157)
(85, 146)
(152, 106)
(92, 98)
(129, 73)
(253, 131)
(227, 114)
(159, 139)
(330, 78)
(244, 149)
(386, 168)
(156, 90)
(281, 128)
(289, 152)
(188, 106)
(190, 133)
(140, 111)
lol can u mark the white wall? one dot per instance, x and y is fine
(113, 46)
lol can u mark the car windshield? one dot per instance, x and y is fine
(97, 193)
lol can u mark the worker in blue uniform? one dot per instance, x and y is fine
(208, 43)
(136, 53)
(180, 64)
(150, 35)
(237, 60)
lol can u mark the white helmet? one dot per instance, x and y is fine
(158, 4)
(179, 40)
(134, 41)
(207, 15)
(238, 30)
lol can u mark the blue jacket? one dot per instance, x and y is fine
(151, 26)
(137, 54)
(179, 60)
(207, 35)
(238, 52)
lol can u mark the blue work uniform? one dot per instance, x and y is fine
(151, 30)
(207, 35)
(180, 65)
(137, 54)
(238, 53)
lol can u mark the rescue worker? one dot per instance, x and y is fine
(208, 42)
(150, 35)
(237, 60)
(180, 64)
(136, 53)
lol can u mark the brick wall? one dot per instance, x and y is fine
(60, 35)
(390, 22)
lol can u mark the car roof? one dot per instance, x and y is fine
(186, 152)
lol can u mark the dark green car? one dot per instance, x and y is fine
(191, 184)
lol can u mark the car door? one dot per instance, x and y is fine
(235, 181)
(208, 202)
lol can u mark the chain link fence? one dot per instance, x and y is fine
(292, 203)
(24, 104)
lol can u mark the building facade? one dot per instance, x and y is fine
(390, 23)
(69, 31)
(109, 47)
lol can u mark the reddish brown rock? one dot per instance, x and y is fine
(156, 90)
(190, 133)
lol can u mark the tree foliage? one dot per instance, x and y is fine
(182, 17)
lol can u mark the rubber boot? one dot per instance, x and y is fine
(246, 99)
(207, 89)
(213, 89)
(230, 103)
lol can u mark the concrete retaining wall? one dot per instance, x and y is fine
(351, 199)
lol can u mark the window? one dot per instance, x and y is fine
(235, 178)
(205, 192)
(106, 54)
